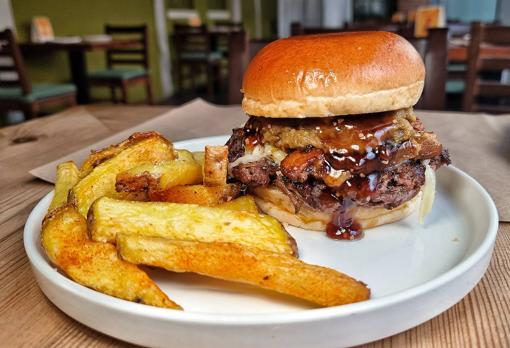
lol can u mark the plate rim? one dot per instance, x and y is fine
(41, 263)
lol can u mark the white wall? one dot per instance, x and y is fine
(504, 12)
(336, 12)
(163, 47)
(313, 13)
(6, 17)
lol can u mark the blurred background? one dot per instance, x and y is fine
(56, 54)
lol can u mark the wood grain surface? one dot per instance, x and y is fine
(28, 319)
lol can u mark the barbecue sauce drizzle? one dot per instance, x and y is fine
(358, 144)
(342, 226)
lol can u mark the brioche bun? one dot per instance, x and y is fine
(333, 74)
(274, 202)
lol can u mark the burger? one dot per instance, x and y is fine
(332, 142)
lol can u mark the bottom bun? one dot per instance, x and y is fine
(274, 202)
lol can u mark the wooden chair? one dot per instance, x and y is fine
(220, 33)
(242, 50)
(297, 28)
(434, 51)
(479, 63)
(457, 70)
(16, 91)
(194, 52)
(382, 26)
(138, 56)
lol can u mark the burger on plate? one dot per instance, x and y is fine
(332, 142)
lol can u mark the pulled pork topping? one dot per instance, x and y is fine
(372, 160)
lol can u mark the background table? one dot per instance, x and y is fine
(77, 58)
(458, 53)
(27, 318)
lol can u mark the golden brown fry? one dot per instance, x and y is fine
(97, 157)
(108, 217)
(96, 265)
(199, 156)
(159, 176)
(243, 203)
(234, 262)
(132, 196)
(184, 155)
(139, 149)
(67, 177)
(197, 194)
(215, 165)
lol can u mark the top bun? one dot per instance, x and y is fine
(333, 74)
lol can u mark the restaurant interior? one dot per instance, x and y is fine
(167, 52)
(127, 115)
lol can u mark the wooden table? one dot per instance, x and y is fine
(77, 58)
(27, 318)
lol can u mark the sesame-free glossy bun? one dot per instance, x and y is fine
(333, 74)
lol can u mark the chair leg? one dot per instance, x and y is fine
(193, 68)
(72, 100)
(210, 81)
(123, 89)
(30, 110)
(148, 87)
(179, 78)
(113, 94)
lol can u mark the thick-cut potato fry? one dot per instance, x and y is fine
(215, 165)
(108, 217)
(152, 147)
(159, 176)
(243, 203)
(197, 194)
(184, 155)
(97, 157)
(230, 261)
(132, 196)
(67, 177)
(93, 264)
(199, 156)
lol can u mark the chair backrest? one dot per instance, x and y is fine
(458, 29)
(489, 52)
(297, 28)
(238, 56)
(434, 51)
(12, 68)
(361, 26)
(191, 39)
(241, 51)
(138, 55)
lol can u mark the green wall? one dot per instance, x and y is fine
(84, 18)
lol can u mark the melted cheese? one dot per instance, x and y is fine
(260, 152)
(428, 192)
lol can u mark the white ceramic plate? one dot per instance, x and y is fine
(415, 272)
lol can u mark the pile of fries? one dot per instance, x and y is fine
(142, 202)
